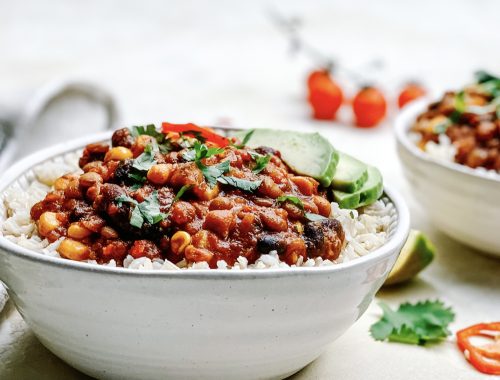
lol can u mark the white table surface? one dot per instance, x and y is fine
(223, 62)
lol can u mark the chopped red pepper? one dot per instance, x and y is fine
(485, 358)
(192, 129)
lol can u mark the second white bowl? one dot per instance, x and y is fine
(464, 203)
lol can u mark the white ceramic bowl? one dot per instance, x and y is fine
(463, 202)
(115, 323)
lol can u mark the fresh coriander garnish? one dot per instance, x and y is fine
(245, 140)
(164, 144)
(147, 211)
(201, 151)
(146, 159)
(260, 163)
(135, 186)
(213, 172)
(138, 177)
(414, 323)
(239, 183)
(181, 192)
(460, 102)
(314, 217)
(292, 199)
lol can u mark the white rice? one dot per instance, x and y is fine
(365, 229)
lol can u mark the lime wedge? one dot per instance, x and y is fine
(417, 253)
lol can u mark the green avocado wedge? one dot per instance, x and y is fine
(306, 153)
(351, 174)
(367, 194)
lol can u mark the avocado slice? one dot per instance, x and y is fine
(417, 253)
(305, 153)
(351, 174)
(369, 192)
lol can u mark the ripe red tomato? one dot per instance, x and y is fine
(409, 93)
(325, 96)
(317, 76)
(369, 107)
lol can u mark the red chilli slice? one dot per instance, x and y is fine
(208, 134)
(485, 358)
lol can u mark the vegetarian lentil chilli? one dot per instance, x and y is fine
(186, 194)
(468, 122)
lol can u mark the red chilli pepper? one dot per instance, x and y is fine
(485, 358)
(192, 129)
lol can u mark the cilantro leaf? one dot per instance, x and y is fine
(260, 163)
(146, 159)
(483, 76)
(292, 199)
(314, 217)
(201, 151)
(135, 187)
(460, 102)
(146, 211)
(414, 323)
(239, 183)
(164, 144)
(181, 192)
(245, 140)
(136, 218)
(212, 172)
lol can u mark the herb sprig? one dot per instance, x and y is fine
(211, 173)
(146, 211)
(418, 323)
(292, 199)
(239, 183)
(261, 161)
(164, 144)
(245, 140)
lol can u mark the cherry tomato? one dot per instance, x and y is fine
(317, 76)
(325, 96)
(369, 107)
(409, 93)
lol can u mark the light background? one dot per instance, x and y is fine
(225, 62)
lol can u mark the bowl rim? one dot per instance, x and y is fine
(403, 123)
(15, 171)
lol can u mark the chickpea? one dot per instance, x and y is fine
(93, 192)
(73, 250)
(61, 183)
(269, 189)
(196, 255)
(47, 223)
(324, 207)
(90, 179)
(141, 143)
(179, 241)
(77, 231)
(205, 192)
(118, 153)
(294, 250)
(159, 174)
(221, 203)
(305, 185)
(182, 212)
(73, 190)
(109, 233)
